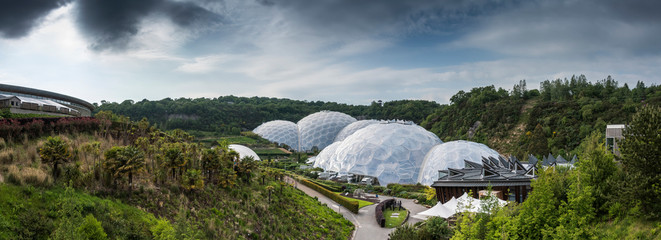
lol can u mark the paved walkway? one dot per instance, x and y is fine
(365, 222)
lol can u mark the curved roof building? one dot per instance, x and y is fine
(279, 131)
(320, 129)
(244, 151)
(32, 100)
(452, 155)
(391, 151)
(353, 127)
(325, 158)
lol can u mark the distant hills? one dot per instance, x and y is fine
(519, 121)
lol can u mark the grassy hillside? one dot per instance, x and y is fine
(135, 184)
(36, 213)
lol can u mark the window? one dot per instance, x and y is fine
(512, 196)
(609, 143)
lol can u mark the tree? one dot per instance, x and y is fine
(596, 168)
(124, 161)
(245, 167)
(641, 158)
(55, 151)
(193, 180)
(174, 158)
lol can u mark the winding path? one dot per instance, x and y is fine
(366, 225)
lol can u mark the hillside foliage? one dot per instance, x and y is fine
(229, 115)
(552, 119)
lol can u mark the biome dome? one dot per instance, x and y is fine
(324, 158)
(319, 129)
(284, 132)
(244, 151)
(353, 127)
(391, 151)
(452, 155)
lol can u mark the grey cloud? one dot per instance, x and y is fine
(385, 16)
(547, 28)
(17, 18)
(111, 25)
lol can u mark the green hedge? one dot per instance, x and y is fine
(326, 186)
(353, 206)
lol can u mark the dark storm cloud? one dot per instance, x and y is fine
(111, 25)
(355, 17)
(17, 18)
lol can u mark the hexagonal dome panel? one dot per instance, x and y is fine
(324, 158)
(390, 151)
(279, 131)
(244, 151)
(452, 155)
(353, 127)
(319, 129)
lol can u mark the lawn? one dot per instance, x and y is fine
(361, 203)
(392, 222)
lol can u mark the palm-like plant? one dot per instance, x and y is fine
(174, 158)
(245, 167)
(125, 161)
(55, 151)
(210, 162)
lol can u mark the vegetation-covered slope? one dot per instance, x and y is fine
(551, 120)
(230, 114)
(135, 182)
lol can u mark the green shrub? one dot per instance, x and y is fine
(91, 229)
(353, 206)
(162, 230)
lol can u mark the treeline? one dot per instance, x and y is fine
(230, 114)
(551, 120)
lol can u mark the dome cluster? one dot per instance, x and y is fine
(315, 130)
(392, 151)
(398, 152)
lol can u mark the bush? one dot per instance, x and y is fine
(353, 206)
(162, 230)
(91, 229)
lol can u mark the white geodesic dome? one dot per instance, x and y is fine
(390, 151)
(244, 151)
(319, 129)
(452, 155)
(325, 157)
(353, 127)
(279, 131)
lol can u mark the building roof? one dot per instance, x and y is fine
(46, 94)
(492, 171)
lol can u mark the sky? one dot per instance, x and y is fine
(344, 51)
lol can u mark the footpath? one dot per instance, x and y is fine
(365, 222)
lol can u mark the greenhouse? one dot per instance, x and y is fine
(390, 151)
(352, 128)
(244, 151)
(279, 131)
(320, 129)
(452, 155)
